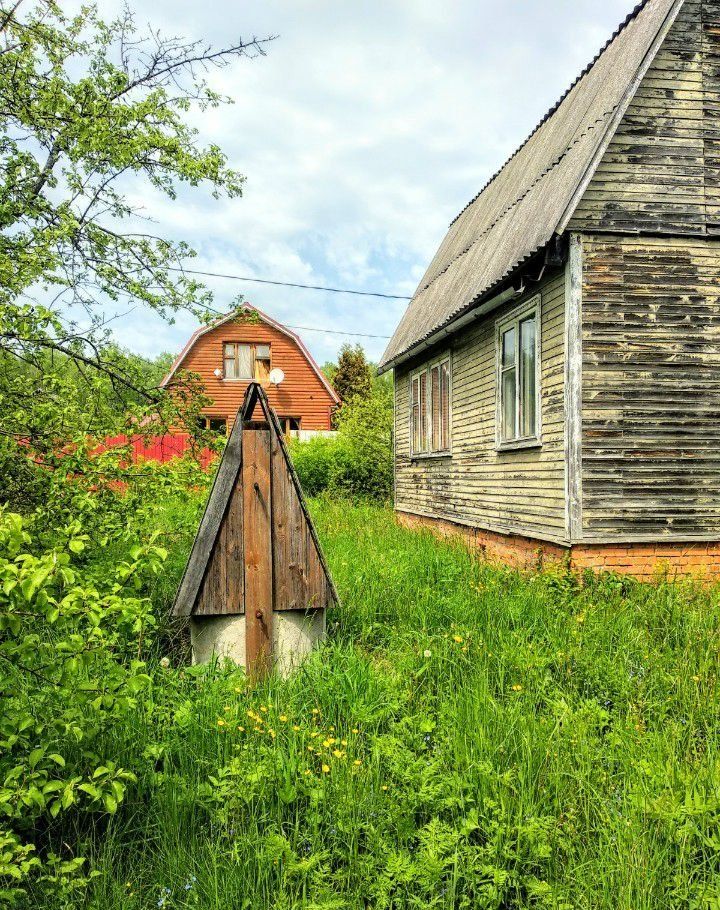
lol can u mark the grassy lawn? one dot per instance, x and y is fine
(467, 737)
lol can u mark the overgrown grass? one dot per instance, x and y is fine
(468, 737)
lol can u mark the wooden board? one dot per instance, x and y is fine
(223, 588)
(257, 503)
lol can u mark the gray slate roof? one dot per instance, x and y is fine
(535, 193)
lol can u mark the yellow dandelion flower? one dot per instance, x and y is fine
(310, 749)
(326, 769)
(338, 753)
(458, 639)
(283, 719)
(315, 734)
(226, 708)
(272, 733)
(357, 762)
(220, 722)
(307, 771)
(696, 678)
(238, 690)
(263, 709)
(296, 728)
(332, 729)
(384, 787)
(250, 713)
(343, 742)
(241, 729)
(315, 711)
(464, 648)
(354, 730)
(517, 688)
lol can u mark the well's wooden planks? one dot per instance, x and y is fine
(299, 576)
(222, 589)
(206, 540)
(257, 499)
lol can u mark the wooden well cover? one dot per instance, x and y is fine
(256, 549)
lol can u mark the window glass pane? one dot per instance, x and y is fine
(244, 361)
(262, 352)
(507, 398)
(528, 374)
(423, 413)
(508, 348)
(217, 425)
(435, 407)
(445, 406)
(229, 360)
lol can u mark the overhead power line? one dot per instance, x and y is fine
(291, 284)
(307, 328)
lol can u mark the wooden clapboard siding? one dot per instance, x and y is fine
(301, 394)
(651, 388)
(514, 491)
(660, 171)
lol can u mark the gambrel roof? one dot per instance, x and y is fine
(532, 198)
(251, 309)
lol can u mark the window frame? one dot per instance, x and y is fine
(427, 369)
(253, 345)
(513, 319)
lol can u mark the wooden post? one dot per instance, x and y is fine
(257, 499)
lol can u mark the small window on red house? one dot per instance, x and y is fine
(217, 425)
(246, 361)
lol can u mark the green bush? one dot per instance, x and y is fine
(358, 461)
(313, 462)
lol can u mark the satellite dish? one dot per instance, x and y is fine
(218, 373)
(276, 376)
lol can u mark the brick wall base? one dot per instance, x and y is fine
(645, 561)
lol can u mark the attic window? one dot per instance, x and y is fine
(518, 377)
(430, 409)
(246, 361)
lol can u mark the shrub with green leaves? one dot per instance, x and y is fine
(72, 642)
(357, 462)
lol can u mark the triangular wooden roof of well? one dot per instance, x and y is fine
(533, 196)
(223, 516)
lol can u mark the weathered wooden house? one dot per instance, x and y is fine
(557, 372)
(246, 346)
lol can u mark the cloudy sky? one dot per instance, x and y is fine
(362, 133)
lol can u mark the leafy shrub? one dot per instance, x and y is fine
(358, 462)
(71, 668)
(313, 462)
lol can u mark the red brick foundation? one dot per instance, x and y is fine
(646, 561)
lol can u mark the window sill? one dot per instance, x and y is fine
(428, 456)
(533, 443)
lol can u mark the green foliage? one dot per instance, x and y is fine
(357, 462)
(353, 376)
(468, 737)
(85, 105)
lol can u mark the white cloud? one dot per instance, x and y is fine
(362, 133)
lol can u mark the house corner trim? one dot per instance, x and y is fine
(573, 390)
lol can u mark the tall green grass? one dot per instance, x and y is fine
(491, 740)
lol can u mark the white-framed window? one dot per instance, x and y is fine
(246, 361)
(518, 377)
(430, 402)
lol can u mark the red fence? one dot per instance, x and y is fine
(157, 448)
